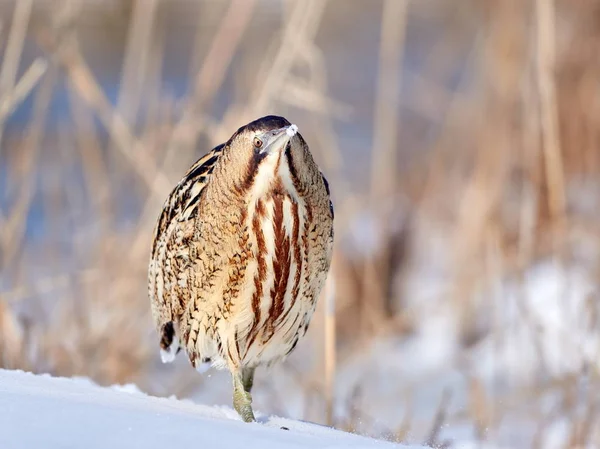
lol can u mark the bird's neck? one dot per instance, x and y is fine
(273, 176)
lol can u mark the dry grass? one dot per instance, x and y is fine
(480, 128)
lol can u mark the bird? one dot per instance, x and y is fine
(241, 251)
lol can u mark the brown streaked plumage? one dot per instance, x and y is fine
(241, 252)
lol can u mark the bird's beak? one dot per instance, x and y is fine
(277, 140)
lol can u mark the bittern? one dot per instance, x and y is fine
(241, 252)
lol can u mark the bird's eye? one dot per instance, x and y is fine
(257, 142)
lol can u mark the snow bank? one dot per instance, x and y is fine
(51, 413)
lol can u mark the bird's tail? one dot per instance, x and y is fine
(161, 308)
(169, 343)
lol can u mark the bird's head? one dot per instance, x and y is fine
(257, 151)
(268, 142)
(264, 137)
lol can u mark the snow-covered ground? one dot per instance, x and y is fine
(51, 413)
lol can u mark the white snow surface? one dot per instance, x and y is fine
(48, 412)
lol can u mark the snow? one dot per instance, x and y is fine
(548, 322)
(538, 341)
(49, 412)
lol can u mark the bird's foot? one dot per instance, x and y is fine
(242, 403)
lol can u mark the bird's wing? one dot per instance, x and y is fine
(196, 178)
(328, 194)
(181, 205)
(176, 218)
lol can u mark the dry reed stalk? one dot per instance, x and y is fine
(159, 105)
(584, 426)
(136, 59)
(14, 50)
(384, 162)
(13, 98)
(438, 421)
(95, 170)
(134, 72)
(387, 102)
(11, 338)
(221, 53)
(330, 349)
(403, 430)
(546, 68)
(475, 212)
(528, 216)
(207, 15)
(482, 407)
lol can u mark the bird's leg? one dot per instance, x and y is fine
(242, 400)
(247, 378)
